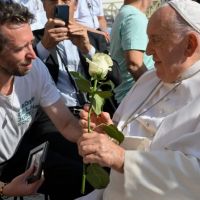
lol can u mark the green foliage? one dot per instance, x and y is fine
(97, 104)
(97, 176)
(83, 84)
(113, 132)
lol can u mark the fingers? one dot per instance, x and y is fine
(28, 172)
(98, 148)
(33, 187)
(55, 31)
(93, 143)
(51, 23)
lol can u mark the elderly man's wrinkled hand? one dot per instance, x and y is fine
(99, 148)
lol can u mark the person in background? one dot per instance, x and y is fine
(128, 44)
(160, 155)
(36, 8)
(25, 84)
(90, 14)
(64, 48)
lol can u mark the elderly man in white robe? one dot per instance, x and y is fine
(160, 117)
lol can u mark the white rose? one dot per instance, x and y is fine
(100, 65)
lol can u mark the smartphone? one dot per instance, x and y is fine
(62, 12)
(37, 157)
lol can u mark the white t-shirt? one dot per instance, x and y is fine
(88, 11)
(18, 110)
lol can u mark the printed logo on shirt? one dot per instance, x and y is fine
(26, 112)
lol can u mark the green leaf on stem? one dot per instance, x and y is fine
(113, 132)
(97, 104)
(97, 176)
(104, 94)
(82, 83)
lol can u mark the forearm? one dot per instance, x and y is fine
(136, 71)
(135, 64)
(72, 131)
(102, 23)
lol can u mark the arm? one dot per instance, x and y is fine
(64, 121)
(19, 187)
(79, 37)
(102, 23)
(135, 63)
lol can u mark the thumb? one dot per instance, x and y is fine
(29, 171)
(106, 117)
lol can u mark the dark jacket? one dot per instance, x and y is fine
(98, 41)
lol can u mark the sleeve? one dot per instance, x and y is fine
(133, 33)
(48, 93)
(101, 12)
(154, 174)
(42, 52)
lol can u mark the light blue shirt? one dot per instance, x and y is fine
(70, 54)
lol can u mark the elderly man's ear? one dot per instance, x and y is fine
(192, 44)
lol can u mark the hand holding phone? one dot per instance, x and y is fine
(37, 157)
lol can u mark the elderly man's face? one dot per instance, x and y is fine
(16, 58)
(49, 6)
(166, 47)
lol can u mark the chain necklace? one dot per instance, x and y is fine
(133, 117)
(195, 69)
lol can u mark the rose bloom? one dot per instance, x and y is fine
(100, 65)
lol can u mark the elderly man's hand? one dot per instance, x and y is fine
(55, 32)
(78, 35)
(99, 148)
(95, 121)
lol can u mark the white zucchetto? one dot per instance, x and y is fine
(189, 10)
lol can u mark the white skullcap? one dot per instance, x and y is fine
(189, 10)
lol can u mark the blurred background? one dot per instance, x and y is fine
(111, 8)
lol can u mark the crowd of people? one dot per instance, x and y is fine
(157, 99)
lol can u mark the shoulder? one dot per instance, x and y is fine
(147, 77)
(38, 69)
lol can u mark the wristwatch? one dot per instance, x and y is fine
(2, 185)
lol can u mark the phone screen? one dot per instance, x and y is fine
(62, 12)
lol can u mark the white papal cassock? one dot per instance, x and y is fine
(161, 122)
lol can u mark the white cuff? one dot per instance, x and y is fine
(43, 53)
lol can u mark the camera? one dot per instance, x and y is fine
(62, 12)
